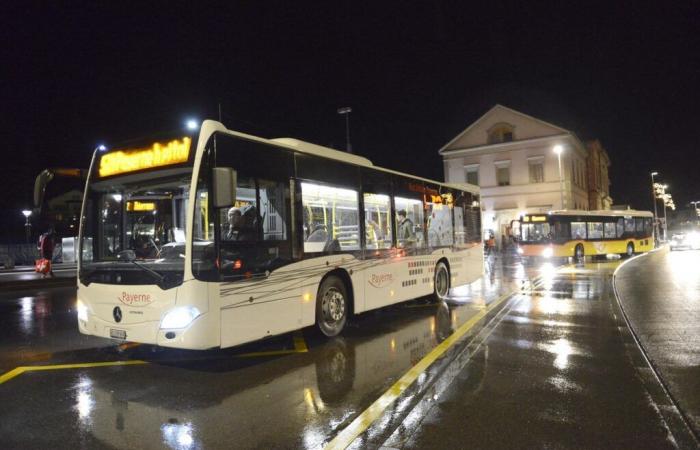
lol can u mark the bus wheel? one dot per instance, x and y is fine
(332, 306)
(578, 253)
(441, 282)
(630, 249)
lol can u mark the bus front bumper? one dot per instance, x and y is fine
(196, 336)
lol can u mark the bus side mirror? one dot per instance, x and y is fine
(224, 184)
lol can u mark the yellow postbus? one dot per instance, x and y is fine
(573, 233)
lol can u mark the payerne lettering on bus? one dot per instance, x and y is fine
(380, 280)
(135, 299)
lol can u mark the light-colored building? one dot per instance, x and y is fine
(598, 180)
(510, 155)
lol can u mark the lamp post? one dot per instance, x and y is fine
(27, 223)
(558, 149)
(653, 198)
(345, 111)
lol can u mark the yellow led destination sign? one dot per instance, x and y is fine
(140, 206)
(160, 154)
(539, 218)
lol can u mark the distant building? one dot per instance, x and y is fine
(598, 181)
(510, 155)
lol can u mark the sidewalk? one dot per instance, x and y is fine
(24, 277)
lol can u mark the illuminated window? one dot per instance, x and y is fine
(472, 174)
(331, 219)
(377, 221)
(536, 169)
(503, 173)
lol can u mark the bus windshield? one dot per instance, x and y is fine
(535, 232)
(134, 228)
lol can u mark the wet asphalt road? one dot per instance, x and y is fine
(661, 296)
(550, 368)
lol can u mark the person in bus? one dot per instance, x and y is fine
(405, 236)
(47, 242)
(248, 224)
(233, 225)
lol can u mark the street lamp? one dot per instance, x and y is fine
(27, 223)
(345, 111)
(558, 149)
(653, 197)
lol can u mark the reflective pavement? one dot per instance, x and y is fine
(546, 368)
(661, 296)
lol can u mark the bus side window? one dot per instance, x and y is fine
(620, 227)
(578, 230)
(609, 230)
(332, 218)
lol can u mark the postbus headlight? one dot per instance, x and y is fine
(179, 317)
(82, 311)
(547, 252)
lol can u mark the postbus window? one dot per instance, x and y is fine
(273, 209)
(639, 221)
(535, 232)
(629, 224)
(561, 229)
(438, 205)
(331, 218)
(610, 230)
(240, 222)
(647, 226)
(595, 230)
(409, 222)
(578, 230)
(378, 233)
(620, 227)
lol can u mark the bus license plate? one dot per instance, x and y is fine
(117, 334)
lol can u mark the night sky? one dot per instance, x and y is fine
(415, 73)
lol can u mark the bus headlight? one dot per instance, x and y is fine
(547, 252)
(520, 251)
(82, 311)
(179, 317)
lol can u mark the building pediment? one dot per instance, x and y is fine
(501, 124)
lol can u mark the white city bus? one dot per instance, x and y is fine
(220, 238)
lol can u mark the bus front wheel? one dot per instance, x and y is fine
(441, 282)
(630, 249)
(332, 306)
(578, 253)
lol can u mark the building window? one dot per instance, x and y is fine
(503, 175)
(536, 167)
(472, 174)
(501, 132)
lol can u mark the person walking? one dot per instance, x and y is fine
(47, 242)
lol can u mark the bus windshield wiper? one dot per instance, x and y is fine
(130, 256)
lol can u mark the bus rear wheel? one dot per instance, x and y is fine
(630, 249)
(441, 282)
(578, 253)
(331, 306)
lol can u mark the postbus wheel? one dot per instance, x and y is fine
(331, 306)
(630, 249)
(441, 282)
(578, 253)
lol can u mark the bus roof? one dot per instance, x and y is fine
(325, 152)
(606, 212)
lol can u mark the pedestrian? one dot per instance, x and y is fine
(405, 236)
(47, 242)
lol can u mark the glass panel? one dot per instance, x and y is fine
(377, 221)
(629, 224)
(620, 227)
(439, 225)
(239, 223)
(561, 230)
(503, 176)
(609, 230)
(536, 173)
(331, 219)
(473, 176)
(536, 232)
(578, 230)
(639, 221)
(595, 230)
(460, 235)
(409, 223)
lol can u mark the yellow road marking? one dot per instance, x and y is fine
(300, 343)
(368, 416)
(21, 369)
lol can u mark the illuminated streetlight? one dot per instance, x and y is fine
(191, 124)
(27, 223)
(345, 111)
(558, 149)
(653, 197)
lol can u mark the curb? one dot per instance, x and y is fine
(38, 284)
